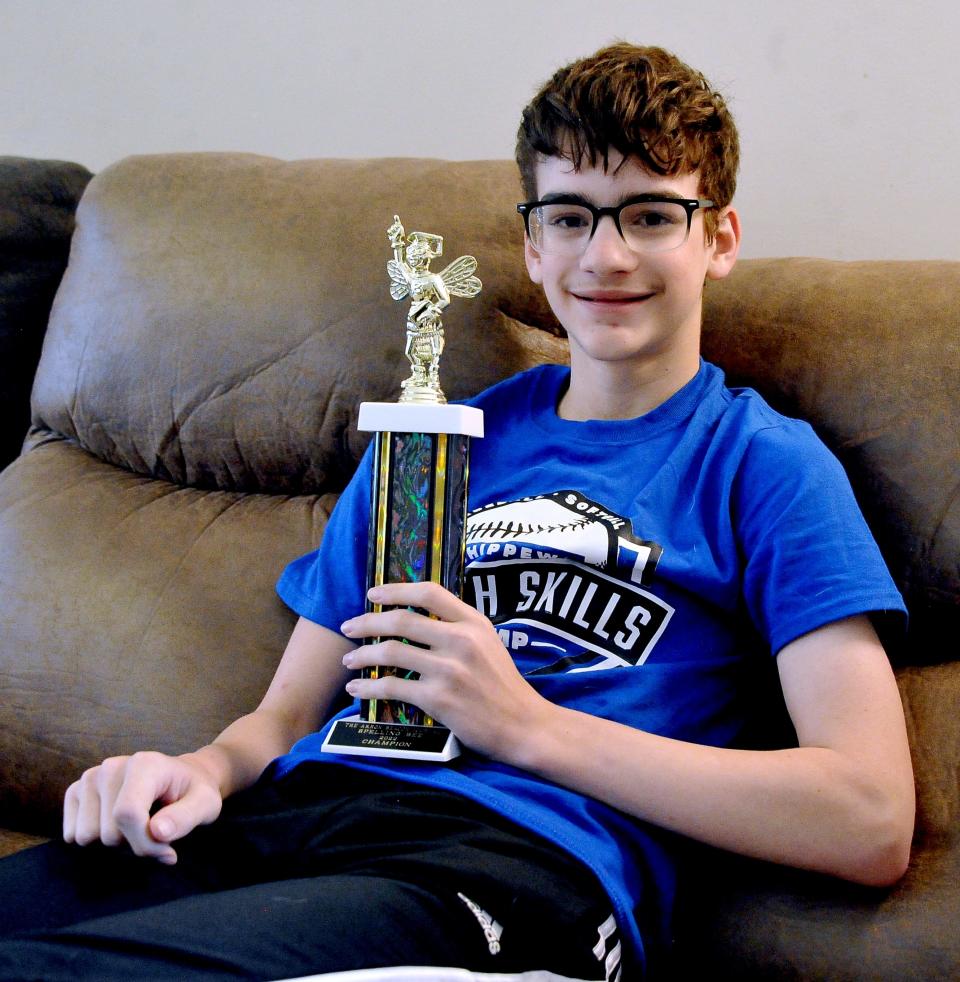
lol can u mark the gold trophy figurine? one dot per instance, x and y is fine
(429, 293)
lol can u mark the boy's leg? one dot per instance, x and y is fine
(265, 931)
(323, 924)
(55, 885)
(369, 875)
(478, 865)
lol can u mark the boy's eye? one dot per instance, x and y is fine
(565, 218)
(653, 217)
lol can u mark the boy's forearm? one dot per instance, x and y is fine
(840, 803)
(309, 677)
(806, 807)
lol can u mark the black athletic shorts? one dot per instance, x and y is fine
(326, 869)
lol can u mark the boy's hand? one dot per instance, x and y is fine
(468, 680)
(112, 803)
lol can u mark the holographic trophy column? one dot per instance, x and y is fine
(419, 491)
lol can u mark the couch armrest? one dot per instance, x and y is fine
(38, 199)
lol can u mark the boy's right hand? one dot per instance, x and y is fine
(112, 803)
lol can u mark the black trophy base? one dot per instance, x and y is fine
(362, 738)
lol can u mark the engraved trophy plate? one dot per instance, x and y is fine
(418, 495)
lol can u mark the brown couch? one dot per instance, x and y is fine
(220, 319)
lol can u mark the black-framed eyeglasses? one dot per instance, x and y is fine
(564, 225)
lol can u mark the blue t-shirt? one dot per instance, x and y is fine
(633, 568)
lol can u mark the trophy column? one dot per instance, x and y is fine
(417, 510)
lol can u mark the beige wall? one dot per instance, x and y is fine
(848, 110)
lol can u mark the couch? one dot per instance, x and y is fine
(193, 421)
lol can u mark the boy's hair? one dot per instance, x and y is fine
(643, 102)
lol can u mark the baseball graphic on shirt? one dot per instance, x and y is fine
(561, 577)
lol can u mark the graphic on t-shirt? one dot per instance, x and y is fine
(561, 577)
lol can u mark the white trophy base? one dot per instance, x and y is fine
(361, 738)
(416, 417)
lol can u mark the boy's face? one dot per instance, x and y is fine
(618, 305)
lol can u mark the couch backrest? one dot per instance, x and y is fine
(224, 315)
(869, 353)
(221, 318)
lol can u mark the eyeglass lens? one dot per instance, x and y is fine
(647, 226)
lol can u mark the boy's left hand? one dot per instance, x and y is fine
(468, 680)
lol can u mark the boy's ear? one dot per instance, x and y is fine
(532, 259)
(726, 245)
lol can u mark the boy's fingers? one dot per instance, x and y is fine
(149, 777)
(427, 596)
(113, 802)
(201, 805)
(87, 810)
(71, 806)
(386, 687)
(88, 820)
(110, 780)
(401, 622)
(394, 654)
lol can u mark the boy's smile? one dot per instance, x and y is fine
(632, 317)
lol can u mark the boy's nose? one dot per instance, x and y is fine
(607, 251)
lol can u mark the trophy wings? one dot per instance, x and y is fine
(459, 278)
(399, 287)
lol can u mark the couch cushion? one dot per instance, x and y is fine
(11, 842)
(136, 614)
(751, 920)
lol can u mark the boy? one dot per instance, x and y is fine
(639, 533)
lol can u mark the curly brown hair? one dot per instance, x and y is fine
(643, 102)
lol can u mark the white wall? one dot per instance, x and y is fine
(848, 110)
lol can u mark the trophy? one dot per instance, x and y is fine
(418, 494)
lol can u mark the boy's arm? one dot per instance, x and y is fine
(841, 803)
(113, 801)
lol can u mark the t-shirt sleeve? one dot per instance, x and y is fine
(327, 586)
(809, 557)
